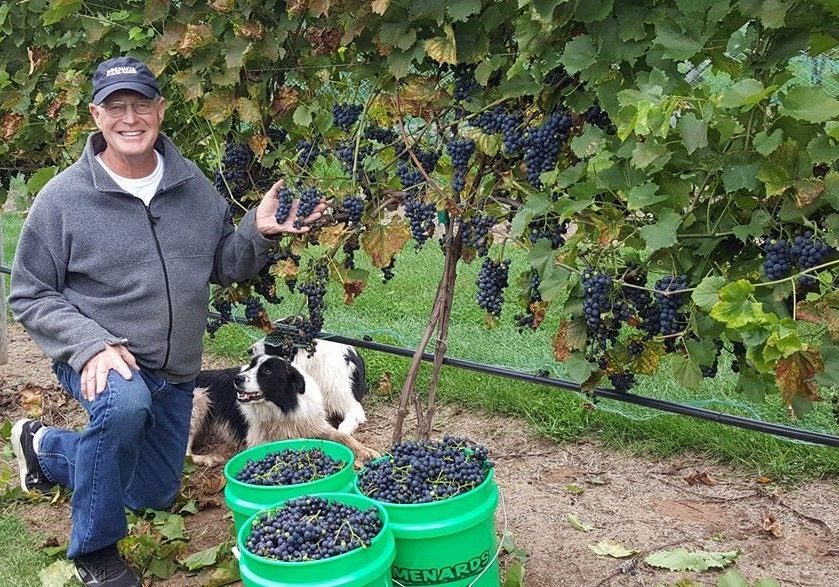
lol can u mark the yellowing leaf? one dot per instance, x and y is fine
(794, 375)
(218, 106)
(442, 49)
(611, 548)
(381, 242)
(248, 111)
(380, 6)
(570, 337)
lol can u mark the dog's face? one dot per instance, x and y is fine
(270, 379)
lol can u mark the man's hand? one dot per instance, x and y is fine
(266, 212)
(95, 371)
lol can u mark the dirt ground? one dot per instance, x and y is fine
(645, 504)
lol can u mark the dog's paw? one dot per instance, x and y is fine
(365, 454)
(207, 460)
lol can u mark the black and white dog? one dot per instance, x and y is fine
(271, 399)
(339, 371)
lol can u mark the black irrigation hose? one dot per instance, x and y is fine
(5, 270)
(640, 400)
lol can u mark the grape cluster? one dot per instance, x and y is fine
(407, 171)
(475, 232)
(528, 319)
(266, 285)
(549, 227)
(253, 310)
(307, 151)
(558, 78)
(460, 150)
(622, 381)
(312, 528)
(635, 348)
(711, 370)
(309, 199)
(425, 471)
(492, 279)
(387, 272)
(421, 216)
(347, 156)
(465, 83)
(354, 207)
(809, 252)
(233, 178)
(507, 124)
(277, 135)
(349, 247)
(382, 135)
(285, 197)
(671, 321)
(314, 290)
(778, 261)
(640, 299)
(345, 115)
(600, 118)
(597, 294)
(739, 352)
(542, 144)
(225, 311)
(289, 467)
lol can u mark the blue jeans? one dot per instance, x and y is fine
(130, 455)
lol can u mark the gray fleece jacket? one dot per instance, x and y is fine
(94, 265)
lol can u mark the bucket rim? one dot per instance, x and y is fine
(429, 504)
(381, 536)
(230, 476)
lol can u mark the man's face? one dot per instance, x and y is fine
(129, 122)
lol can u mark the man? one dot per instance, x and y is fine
(111, 279)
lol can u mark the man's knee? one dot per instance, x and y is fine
(126, 403)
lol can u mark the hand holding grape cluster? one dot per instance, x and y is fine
(280, 213)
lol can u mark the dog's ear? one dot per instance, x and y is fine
(295, 380)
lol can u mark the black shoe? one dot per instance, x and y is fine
(105, 568)
(32, 477)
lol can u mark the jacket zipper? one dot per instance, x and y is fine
(152, 222)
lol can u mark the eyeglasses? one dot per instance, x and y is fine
(119, 109)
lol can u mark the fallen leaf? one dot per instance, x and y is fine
(771, 525)
(681, 559)
(611, 548)
(385, 384)
(575, 523)
(764, 480)
(700, 477)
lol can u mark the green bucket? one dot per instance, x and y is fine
(362, 567)
(450, 542)
(244, 499)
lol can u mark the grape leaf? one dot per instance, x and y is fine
(57, 574)
(204, 558)
(766, 143)
(746, 92)
(173, 528)
(643, 195)
(706, 293)
(218, 106)
(579, 369)
(662, 234)
(570, 337)
(381, 242)
(794, 375)
(686, 372)
(60, 9)
(380, 6)
(694, 132)
(737, 307)
(39, 179)
(515, 576)
(442, 49)
(681, 559)
(753, 385)
(462, 9)
(579, 54)
(302, 115)
(809, 103)
(830, 356)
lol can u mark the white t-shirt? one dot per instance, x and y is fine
(143, 187)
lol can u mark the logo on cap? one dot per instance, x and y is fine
(120, 71)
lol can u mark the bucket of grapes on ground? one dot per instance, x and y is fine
(319, 540)
(263, 475)
(440, 497)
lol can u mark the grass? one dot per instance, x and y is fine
(21, 554)
(396, 313)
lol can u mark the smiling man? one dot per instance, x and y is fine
(111, 279)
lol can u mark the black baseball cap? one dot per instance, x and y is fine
(123, 73)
